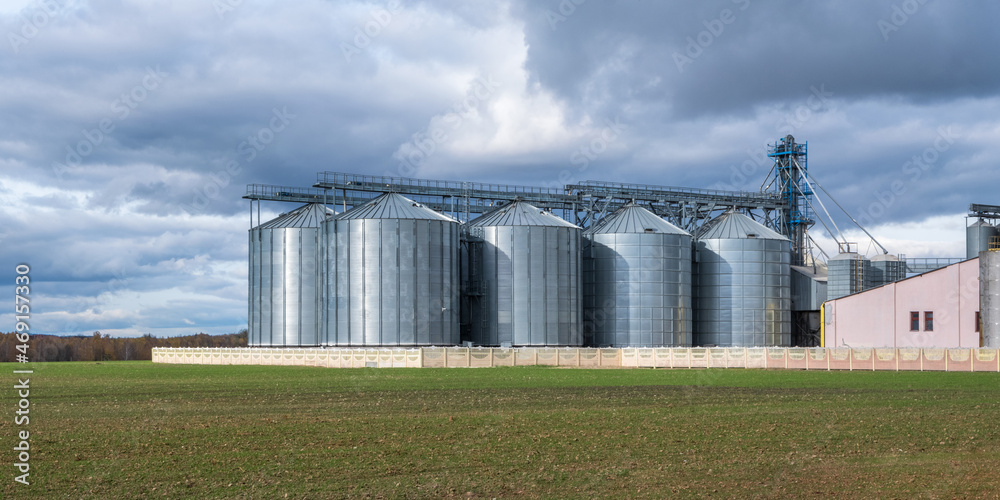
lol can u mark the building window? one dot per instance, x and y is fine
(928, 321)
(914, 321)
(978, 321)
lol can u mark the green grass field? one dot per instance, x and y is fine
(136, 430)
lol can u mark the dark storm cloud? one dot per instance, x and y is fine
(682, 69)
(195, 98)
(685, 56)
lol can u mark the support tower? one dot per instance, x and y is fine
(790, 170)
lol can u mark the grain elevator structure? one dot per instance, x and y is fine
(378, 261)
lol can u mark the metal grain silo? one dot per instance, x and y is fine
(392, 275)
(285, 279)
(741, 284)
(529, 272)
(977, 237)
(886, 269)
(989, 298)
(636, 281)
(848, 273)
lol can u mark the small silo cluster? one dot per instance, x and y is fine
(392, 275)
(636, 281)
(741, 284)
(529, 270)
(285, 278)
(848, 273)
(977, 237)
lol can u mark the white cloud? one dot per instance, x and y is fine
(937, 236)
(95, 268)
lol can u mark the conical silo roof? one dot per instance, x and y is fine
(392, 206)
(520, 213)
(885, 257)
(311, 215)
(632, 218)
(734, 225)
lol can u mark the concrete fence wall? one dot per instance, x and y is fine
(867, 359)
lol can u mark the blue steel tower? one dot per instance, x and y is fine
(790, 170)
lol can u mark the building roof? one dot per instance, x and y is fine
(632, 218)
(519, 213)
(393, 206)
(908, 278)
(734, 225)
(311, 215)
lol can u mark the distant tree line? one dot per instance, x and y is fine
(102, 347)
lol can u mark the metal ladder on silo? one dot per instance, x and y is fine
(859, 277)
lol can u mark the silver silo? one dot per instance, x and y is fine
(977, 237)
(741, 284)
(285, 279)
(529, 273)
(848, 273)
(636, 281)
(989, 298)
(886, 268)
(392, 275)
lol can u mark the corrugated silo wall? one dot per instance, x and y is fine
(742, 293)
(284, 287)
(637, 290)
(531, 286)
(392, 282)
(848, 275)
(977, 238)
(989, 298)
(886, 271)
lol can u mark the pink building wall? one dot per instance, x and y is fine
(880, 317)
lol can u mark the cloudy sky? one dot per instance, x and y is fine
(130, 129)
